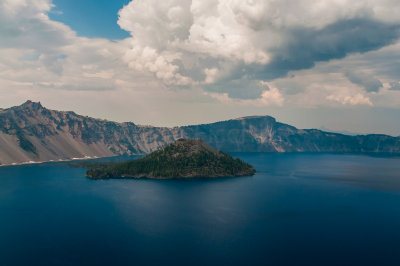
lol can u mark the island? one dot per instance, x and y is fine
(183, 158)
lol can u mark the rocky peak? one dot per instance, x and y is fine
(257, 117)
(32, 105)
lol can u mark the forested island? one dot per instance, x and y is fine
(184, 158)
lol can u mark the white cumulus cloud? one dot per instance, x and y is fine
(304, 53)
(201, 43)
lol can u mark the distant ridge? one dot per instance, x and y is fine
(251, 117)
(33, 133)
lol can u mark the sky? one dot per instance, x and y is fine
(330, 64)
(90, 18)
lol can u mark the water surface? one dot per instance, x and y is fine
(303, 209)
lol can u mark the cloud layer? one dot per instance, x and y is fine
(306, 53)
(232, 46)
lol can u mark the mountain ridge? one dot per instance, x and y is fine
(32, 133)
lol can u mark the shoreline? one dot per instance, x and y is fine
(373, 154)
(53, 161)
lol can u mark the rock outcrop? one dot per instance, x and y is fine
(30, 132)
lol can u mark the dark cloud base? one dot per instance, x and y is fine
(306, 46)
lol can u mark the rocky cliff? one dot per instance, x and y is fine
(30, 132)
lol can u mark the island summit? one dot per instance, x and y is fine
(184, 158)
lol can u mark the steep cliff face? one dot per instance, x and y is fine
(30, 132)
(248, 134)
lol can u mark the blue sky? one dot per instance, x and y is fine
(91, 18)
(309, 63)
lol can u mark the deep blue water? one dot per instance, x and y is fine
(302, 209)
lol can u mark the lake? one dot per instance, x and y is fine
(303, 209)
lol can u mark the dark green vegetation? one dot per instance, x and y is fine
(184, 158)
(25, 144)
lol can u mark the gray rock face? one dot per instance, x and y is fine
(30, 132)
